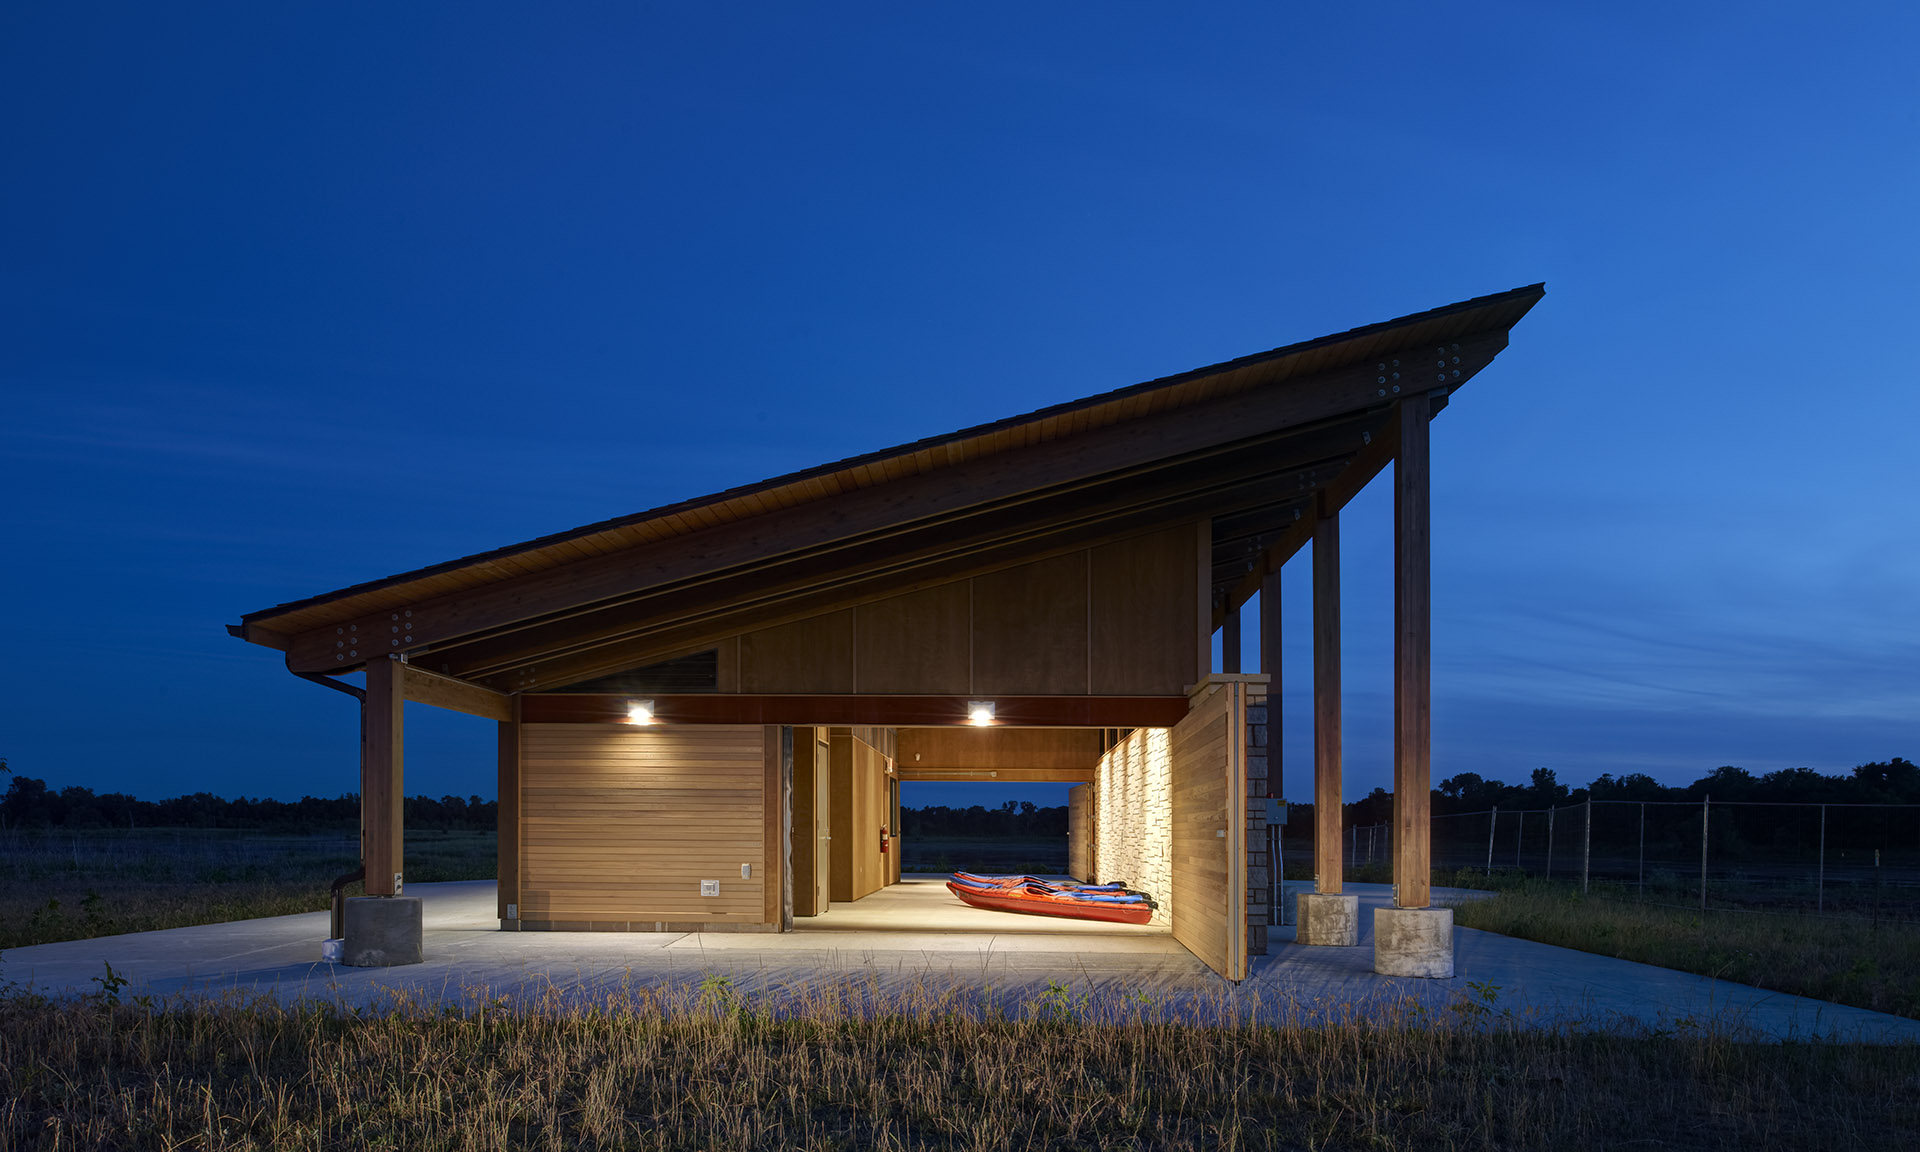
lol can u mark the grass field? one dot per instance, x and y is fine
(983, 854)
(65, 885)
(1850, 960)
(704, 1068)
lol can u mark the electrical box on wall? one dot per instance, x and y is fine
(746, 871)
(1276, 812)
(709, 887)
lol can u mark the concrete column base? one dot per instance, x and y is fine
(1413, 942)
(383, 931)
(1328, 919)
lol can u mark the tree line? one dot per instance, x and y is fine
(1013, 820)
(30, 804)
(1895, 781)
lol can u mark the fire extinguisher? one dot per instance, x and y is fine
(883, 839)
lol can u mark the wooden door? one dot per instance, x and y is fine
(812, 828)
(1079, 832)
(1209, 806)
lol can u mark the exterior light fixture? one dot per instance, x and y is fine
(641, 712)
(979, 713)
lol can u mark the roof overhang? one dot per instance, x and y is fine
(1254, 445)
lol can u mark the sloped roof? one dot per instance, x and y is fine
(1144, 401)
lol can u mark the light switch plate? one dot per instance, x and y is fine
(746, 871)
(709, 887)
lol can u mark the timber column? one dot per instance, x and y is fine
(383, 927)
(1327, 915)
(1411, 938)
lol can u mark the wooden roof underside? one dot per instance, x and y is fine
(1247, 444)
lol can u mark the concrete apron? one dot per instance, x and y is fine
(1012, 964)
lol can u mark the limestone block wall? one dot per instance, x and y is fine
(1133, 817)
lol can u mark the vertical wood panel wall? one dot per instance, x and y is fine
(1209, 830)
(1114, 620)
(859, 810)
(619, 824)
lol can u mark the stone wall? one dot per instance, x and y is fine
(1133, 821)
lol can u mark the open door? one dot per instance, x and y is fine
(1209, 803)
(812, 821)
(1079, 832)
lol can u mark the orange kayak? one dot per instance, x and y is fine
(1037, 900)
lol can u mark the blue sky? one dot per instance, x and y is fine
(299, 295)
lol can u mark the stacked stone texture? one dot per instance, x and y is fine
(1133, 801)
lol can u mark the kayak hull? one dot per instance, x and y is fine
(1013, 900)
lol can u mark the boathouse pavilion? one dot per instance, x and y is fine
(706, 709)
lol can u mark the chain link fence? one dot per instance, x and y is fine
(1855, 860)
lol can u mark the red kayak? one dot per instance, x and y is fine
(1036, 899)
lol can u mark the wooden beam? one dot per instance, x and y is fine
(922, 750)
(881, 711)
(1270, 663)
(776, 806)
(1089, 457)
(1328, 871)
(424, 687)
(1412, 660)
(382, 801)
(1372, 458)
(1230, 641)
(508, 812)
(998, 775)
(1203, 604)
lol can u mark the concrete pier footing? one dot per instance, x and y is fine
(1328, 919)
(1413, 942)
(383, 931)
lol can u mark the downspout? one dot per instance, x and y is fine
(337, 890)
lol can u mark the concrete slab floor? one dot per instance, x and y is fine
(917, 938)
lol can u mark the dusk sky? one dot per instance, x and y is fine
(300, 295)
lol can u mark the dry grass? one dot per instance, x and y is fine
(705, 1068)
(1849, 960)
(64, 885)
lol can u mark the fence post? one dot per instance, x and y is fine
(1820, 900)
(1353, 850)
(1586, 849)
(1519, 835)
(1549, 841)
(1704, 801)
(1492, 823)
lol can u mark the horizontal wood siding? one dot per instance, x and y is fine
(621, 823)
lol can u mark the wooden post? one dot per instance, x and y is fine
(1326, 701)
(1270, 663)
(1412, 658)
(508, 814)
(381, 794)
(1230, 641)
